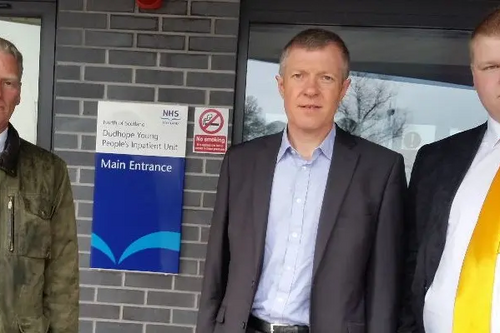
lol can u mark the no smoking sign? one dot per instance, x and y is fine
(211, 121)
(210, 130)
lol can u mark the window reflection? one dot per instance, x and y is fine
(409, 86)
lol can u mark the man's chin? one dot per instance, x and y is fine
(309, 128)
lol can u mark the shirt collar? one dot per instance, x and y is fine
(493, 132)
(326, 147)
(3, 139)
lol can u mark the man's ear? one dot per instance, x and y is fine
(345, 87)
(19, 94)
(473, 72)
(281, 88)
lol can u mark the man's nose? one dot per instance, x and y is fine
(311, 88)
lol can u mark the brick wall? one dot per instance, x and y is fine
(109, 50)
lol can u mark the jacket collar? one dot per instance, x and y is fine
(326, 146)
(10, 155)
(492, 135)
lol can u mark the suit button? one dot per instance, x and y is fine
(253, 283)
(243, 325)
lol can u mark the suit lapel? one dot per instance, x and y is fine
(344, 161)
(450, 172)
(264, 167)
(454, 167)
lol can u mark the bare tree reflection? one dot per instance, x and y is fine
(255, 122)
(367, 110)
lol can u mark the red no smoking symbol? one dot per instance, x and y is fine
(211, 121)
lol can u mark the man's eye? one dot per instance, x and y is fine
(10, 83)
(490, 67)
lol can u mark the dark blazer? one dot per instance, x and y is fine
(437, 173)
(358, 246)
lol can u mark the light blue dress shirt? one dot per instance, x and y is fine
(284, 288)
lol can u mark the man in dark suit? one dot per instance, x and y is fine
(306, 230)
(450, 284)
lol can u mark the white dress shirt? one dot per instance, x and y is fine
(467, 204)
(3, 139)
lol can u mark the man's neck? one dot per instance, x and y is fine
(3, 127)
(306, 142)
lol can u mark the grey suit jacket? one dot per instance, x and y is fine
(354, 288)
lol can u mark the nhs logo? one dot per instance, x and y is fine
(170, 117)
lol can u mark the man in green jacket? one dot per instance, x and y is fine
(39, 285)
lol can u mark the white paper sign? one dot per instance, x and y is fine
(141, 129)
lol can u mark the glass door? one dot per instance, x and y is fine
(24, 32)
(409, 86)
(31, 26)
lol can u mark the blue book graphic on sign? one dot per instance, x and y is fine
(159, 240)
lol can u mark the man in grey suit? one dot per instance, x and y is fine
(306, 230)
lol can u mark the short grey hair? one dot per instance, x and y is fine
(313, 39)
(8, 47)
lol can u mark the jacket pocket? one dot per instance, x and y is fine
(356, 327)
(221, 314)
(33, 231)
(33, 324)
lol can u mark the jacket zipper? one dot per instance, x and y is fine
(10, 206)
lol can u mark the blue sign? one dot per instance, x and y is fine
(139, 185)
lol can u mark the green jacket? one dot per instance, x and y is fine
(39, 284)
